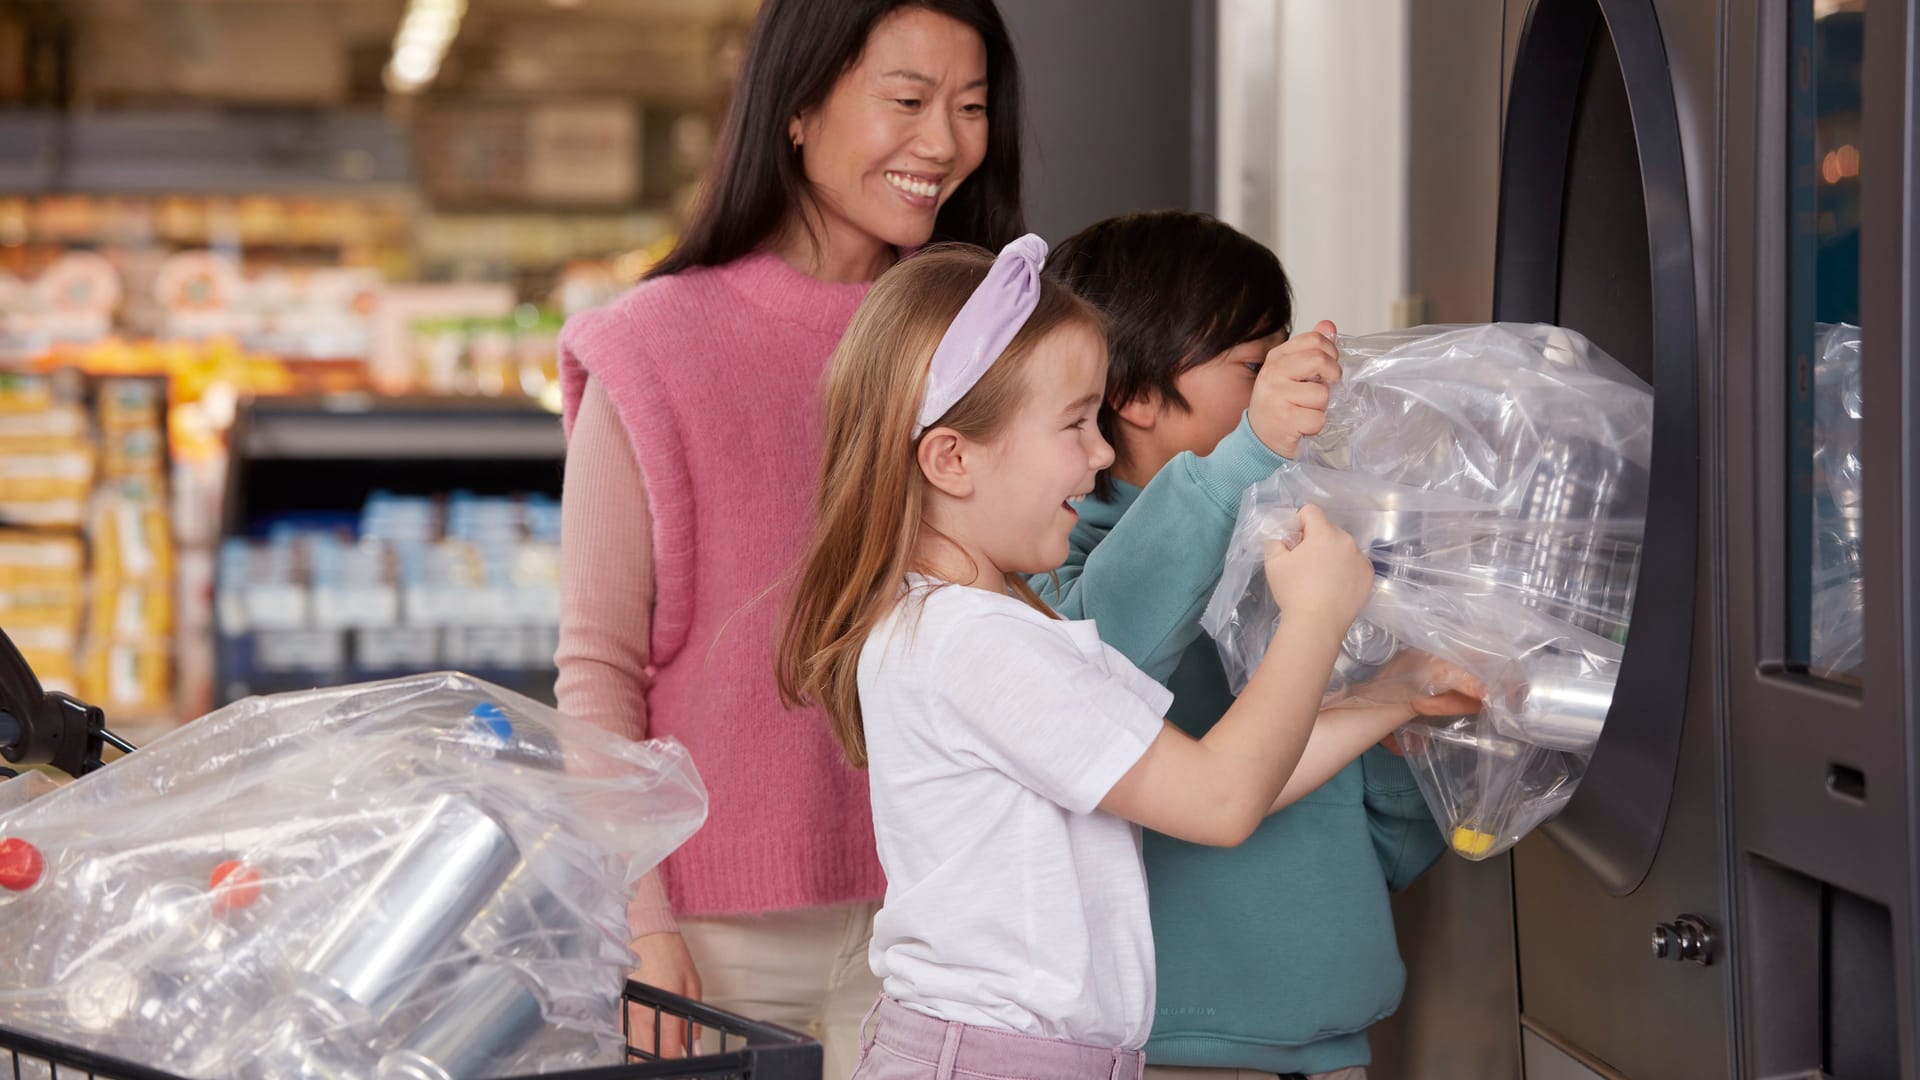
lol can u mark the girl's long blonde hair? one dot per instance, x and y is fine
(867, 512)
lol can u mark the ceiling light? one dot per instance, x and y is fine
(426, 31)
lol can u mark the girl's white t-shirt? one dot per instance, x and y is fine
(993, 732)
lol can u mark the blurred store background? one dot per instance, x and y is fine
(281, 281)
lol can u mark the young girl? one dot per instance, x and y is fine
(1011, 753)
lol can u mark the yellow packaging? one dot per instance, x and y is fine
(62, 474)
(130, 403)
(55, 670)
(44, 513)
(132, 539)
(26, 393)
(59, 428)
(128, 679)
(133, 452)
(40, 606)
(131, 610)
(38, 559)
(50, 652)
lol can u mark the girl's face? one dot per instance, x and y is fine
(1046, 457)
(899, 131)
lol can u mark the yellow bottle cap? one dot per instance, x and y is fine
(1471, 842)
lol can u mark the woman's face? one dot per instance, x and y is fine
(897, 133)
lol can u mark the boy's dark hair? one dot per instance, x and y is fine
(1178, 289)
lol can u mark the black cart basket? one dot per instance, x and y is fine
(743, 1049)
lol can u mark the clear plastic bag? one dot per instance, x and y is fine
(17, 791)
(1837, 635)
(1497, 476)
(423, 877)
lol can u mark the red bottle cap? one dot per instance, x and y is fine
(235, 887)
(20, 865)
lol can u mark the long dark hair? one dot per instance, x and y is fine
(1178, 289)
(797, 51)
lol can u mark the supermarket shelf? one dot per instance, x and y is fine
(388, 429)
(205, 151)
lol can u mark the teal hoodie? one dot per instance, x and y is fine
(1277, 955)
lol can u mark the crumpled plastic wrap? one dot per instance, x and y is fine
(1836, 631)
(1497, 476)
(17, 791)
(424, 877)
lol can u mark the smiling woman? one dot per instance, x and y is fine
(859, 130)
(842, 104)
(892, 142)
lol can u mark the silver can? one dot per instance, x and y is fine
(477, 1031)
(1364, 650)
(389, 937)
(1565, 703)
(527, 920)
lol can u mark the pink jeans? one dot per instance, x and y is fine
(900, 1044)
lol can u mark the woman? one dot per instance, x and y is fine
(860, 129)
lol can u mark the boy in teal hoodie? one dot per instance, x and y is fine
(1276, 956)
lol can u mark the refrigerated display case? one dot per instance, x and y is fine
(368, 537)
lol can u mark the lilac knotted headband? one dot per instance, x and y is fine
(986, 325)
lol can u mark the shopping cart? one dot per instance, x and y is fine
(38, 727)
(743, 1049)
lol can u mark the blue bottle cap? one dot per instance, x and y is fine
(491, 720)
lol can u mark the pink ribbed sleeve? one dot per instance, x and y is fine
(606, 600)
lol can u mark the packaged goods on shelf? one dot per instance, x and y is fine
(42, 579)
(56, 424)
(462, 581)
(129, 636)
(47, 462)
(86, 575)
(42, 597)
(517, 355)
(50, 474)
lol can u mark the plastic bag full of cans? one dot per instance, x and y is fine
(1497, 476)
(419, 878)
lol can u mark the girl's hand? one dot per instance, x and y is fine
(1291, 392)
(1324, 576)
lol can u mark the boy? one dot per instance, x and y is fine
(1274, 957)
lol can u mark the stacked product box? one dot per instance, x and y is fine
(417, 584)
(42, 591)
(47, 459)
(127, 655)
(86, 550)
(46, 473)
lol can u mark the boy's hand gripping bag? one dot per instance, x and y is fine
(1497, 476)
(424, 877)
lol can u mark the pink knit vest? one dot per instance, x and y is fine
(715, 374)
